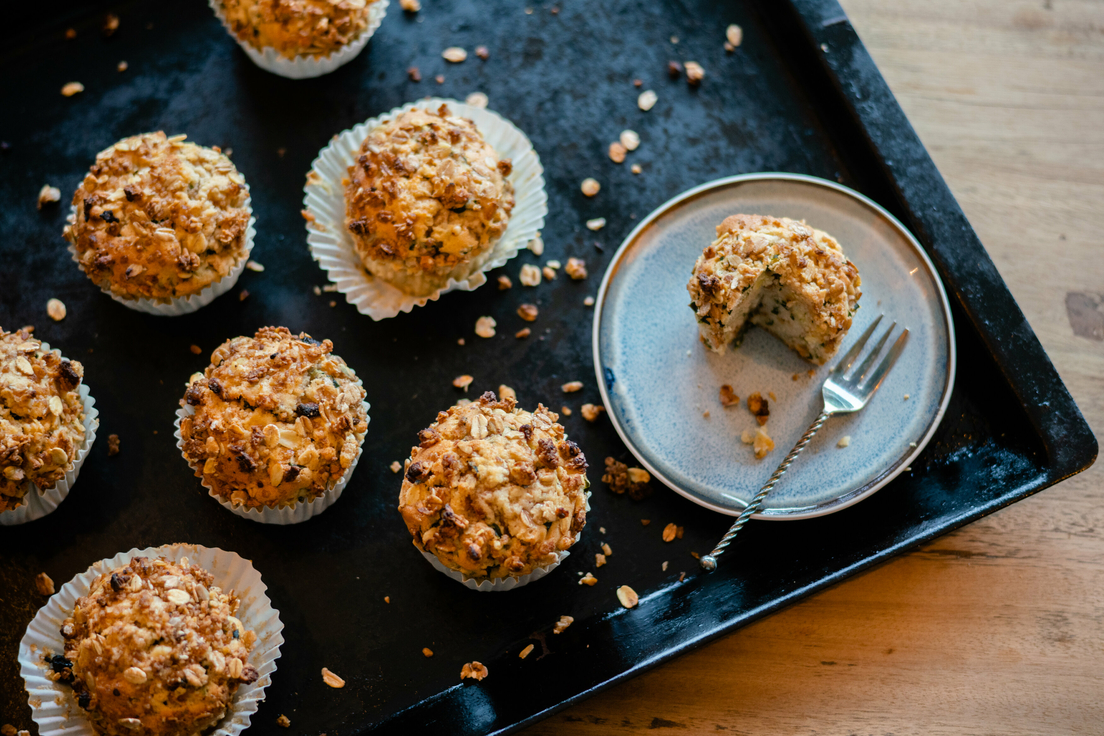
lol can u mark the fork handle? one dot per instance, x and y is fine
(709, 561)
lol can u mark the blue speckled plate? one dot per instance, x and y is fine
(658, 380)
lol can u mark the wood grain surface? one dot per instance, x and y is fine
(999, 627)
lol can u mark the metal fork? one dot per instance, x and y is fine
(843, 394)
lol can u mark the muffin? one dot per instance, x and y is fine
(297, 27)
(494, 491)
(277, 420)
(154, 648)
(426, 200)
(41, 417)
(159, 218)
(790, 279)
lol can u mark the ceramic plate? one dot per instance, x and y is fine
(658, 380)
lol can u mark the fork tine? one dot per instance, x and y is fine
(849, 357)
(862, 370)
(875, 380)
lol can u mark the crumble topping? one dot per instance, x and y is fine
(297, 27)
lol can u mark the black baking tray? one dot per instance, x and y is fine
(801, 94)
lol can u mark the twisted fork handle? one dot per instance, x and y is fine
(709, 561)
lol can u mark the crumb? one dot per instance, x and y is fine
(617, 479)
(331, 679)
(682, 576)
(504, 282)
(811, 372)
(196, 350)
(645, 522)
(561, 625)
(760, 442)
(674, 39)
(844, 441)
(589, 301)
(474, 671)
(565, 411)
(43, 584)
(439, 79)
(427, 652)
(729, 47)
(555, 10)
(414, 74)
(772, 396)
(636, 169)
(674, 69)
(617, 152)
(485, 326)
(243, 295)
(523, 333)
(588, 579)
(283, 722)
(694, 73)
(528, 312)
(553, 264)
(254, 266)
(906, 397)
(536, 245)
(647, 100)
(734, 34)
(669, 532)
(387, 599)
(454, 54)
(760, 407)
(307, 215)
(590, 187)
(505, 392)
(70, 34)
(112, 445)
(56, 309)
(729, 397)
(639, 475)
(410, 6)
(572, 386)
(482, 52)
(679, 531)
(460, 341)
(48, 195)
(281, 151)
(592, 411)
(396, 466)
(663, 566)
(317, 290)
(627, 596)
(530, 275)
(477, 99)
(705, 414)
(795, 376)
(333, 304)
(602, 529)
(596, 224)
(549, 273)
(606, 550)
(462, 382)
(110, 24)
(695, 555)
(599, 559)
(525, 652)
(630, 139)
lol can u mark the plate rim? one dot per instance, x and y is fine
(839, 502)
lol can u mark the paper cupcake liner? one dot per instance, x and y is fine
(182, 304)
(53, 706)
(306, 67)
(500, 585)
(333, 247)
(38, 503)
(265, 515)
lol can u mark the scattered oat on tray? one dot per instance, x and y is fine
(619, 480)
(474, 671)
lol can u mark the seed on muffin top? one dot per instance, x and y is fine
(426, 194)
(278, 419)
(494, 491)
(297, 27)
(154, 648)
(158, 218)
(41, 416)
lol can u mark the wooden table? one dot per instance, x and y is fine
(999, 627)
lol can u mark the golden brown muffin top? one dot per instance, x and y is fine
(155, 649)
(807, 260)
(278, 419)
(41, 416)
(297, 27)
(159, 218)
(427, 193)
(494, 491)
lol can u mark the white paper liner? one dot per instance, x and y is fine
(306, 67)
(182, 304)
(333, 247)
(38, 503)
(53, 706)
(282, 516)
(499, 585)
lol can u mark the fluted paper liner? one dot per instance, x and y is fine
(53, 706)
(306, 66)
(290, 514)
(38, 503)
(332, 245)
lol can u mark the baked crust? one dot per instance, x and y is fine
(426, 199)
(494, 491)
(278, 419)
(154, 649)
(41, 416)
(297, 27)
(780, 274)
(158, 218)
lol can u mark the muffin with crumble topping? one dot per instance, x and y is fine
(159, 219)
(155, 648)
(273, 424)
(42, 418)
(780, 274)
(426, 200)
(493, 492)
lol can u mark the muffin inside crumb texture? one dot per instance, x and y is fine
(159, 218)
(297, 27)
(278, 419)
(426, 199)
(41, 417)
(154, 648)
(494, 491)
